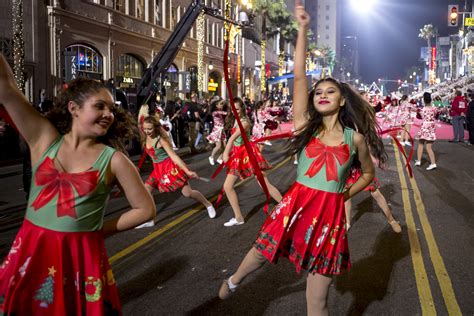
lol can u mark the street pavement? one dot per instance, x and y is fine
(177, 266)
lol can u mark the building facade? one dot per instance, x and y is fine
(118, 39)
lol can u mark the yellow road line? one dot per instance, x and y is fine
(422, 282)
(438, 263)
(177, 221)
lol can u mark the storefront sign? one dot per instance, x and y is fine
(212, 86)
(469, 22)
(70, 65)
(127, 80)
(433, 58)
(239, 78)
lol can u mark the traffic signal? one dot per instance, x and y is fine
(453, 14)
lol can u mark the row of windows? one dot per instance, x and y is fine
(81, 58)
(164, 14)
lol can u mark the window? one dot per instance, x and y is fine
(141, 9)
(327, 7)
(6, 47)
(327, 17)
(327, 37)
(158, 12)
(129, 66)
(81, 61)
(131, 8)
(327, 27)
(174, 17)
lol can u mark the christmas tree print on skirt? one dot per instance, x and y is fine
(45, 294)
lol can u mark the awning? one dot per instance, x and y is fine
(291, 75)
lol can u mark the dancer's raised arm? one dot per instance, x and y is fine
(300, 97)
(38, 132)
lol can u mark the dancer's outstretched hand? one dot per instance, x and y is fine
(302, 17)
(192, 174)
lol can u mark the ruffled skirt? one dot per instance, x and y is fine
(167, 176)
(308, 228)
(239, 162)
(57, 273)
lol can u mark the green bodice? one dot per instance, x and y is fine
(324, 167)
(69, 202)
(239, 141)
(157, 154)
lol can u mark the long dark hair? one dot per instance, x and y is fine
(356, 114)
(230, 119)
(123, 129)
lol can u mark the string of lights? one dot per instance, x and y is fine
(18, 43)
(200, 51)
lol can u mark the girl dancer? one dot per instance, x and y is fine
(169, 171)
(404, 119)
(427, 133)
(270, 120)
(238, 165)
(217, 135)
(308, 225)
(259, 122)
(373, 188)
(58, 263)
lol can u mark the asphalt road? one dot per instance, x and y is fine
(177, 266)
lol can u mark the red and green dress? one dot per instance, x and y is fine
(308, 225)
(239, 163)
(58, 264)
(166, 175)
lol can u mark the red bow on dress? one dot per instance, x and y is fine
(326, 155)
(54, 181)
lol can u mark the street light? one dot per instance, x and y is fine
(363, 6)
(349, 74)
(414, 73)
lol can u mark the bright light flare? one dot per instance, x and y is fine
(362, 6)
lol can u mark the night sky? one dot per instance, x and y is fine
(388, 37)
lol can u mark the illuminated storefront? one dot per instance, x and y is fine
(128, 71)
(82, 61)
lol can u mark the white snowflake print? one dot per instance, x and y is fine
(165, 179)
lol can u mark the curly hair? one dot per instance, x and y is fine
(123, 129)
(356, 114)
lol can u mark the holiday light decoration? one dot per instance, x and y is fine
(281, 66)
(200, 50)
(18, 43)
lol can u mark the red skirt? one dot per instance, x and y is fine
(239, 162)
(355, 174)
(308, 228)
(167, 176)
(57, 273)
